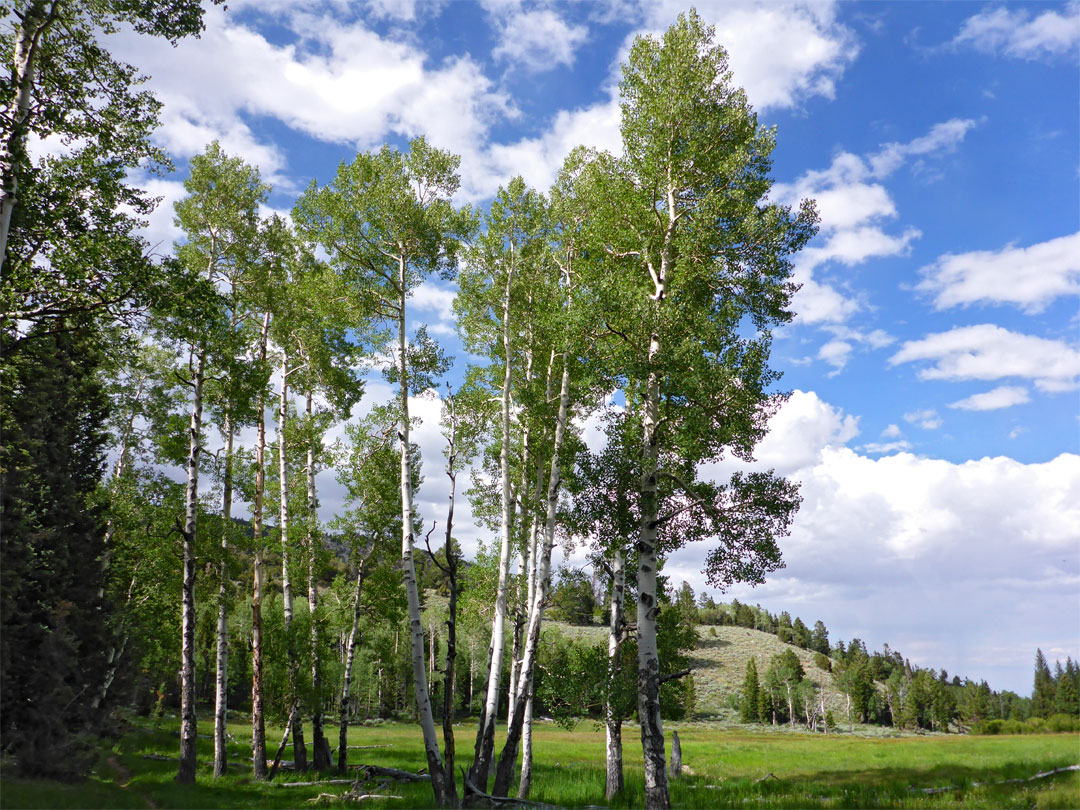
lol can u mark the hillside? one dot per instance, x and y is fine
(719, 664)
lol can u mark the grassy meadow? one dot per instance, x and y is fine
(807, 770)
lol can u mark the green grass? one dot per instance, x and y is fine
(812, 771)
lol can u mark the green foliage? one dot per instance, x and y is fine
(53, 645)
(72, 245)
(1042, 696)
(749, 703)
(572, 597)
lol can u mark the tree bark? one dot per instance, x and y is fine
(258, 724)
(612, 717)
(652, 729)
(508, 756)
(354, 640)
(485, 737)
(221, 682)
(295, 723)
(37, 17)
(449, 675)
(676, 755)
(323, 759)
(443, 788)
(525, 780)
(188, 724)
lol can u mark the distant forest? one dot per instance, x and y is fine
(881, 687)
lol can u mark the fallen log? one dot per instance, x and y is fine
(281, 748)
(366, 747)
(769, 775)
(473, 793)
(373, 771)
(1042, 775)
(348, 796)
(317, 782)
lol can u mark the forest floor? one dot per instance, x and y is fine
(727, 768)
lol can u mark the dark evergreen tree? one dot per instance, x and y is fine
(53, 641)
(1066, 697)
(1042, 697)
(800, 633)
(748, 707)
(819, 639)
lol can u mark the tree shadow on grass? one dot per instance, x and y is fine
(876, 787)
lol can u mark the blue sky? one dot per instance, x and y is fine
(935, 357)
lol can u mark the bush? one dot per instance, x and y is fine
(1056, 724)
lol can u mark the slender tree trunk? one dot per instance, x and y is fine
(295, 722)
(676, 755)
(521, 607)
(515, 650)
(508, 757)
(120, 638)
(188, 724)
(450, 673)
(323, 759)
(37, 17)
(354, 641)
(525, 780)
(652, 729)
(221, 684)
(258, 724)
(443, 788)
(612, 716)
(485, 737)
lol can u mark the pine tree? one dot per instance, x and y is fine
(54, 640)
(748, 708)
(800, 633)
(1042, 696)
(1066, 697)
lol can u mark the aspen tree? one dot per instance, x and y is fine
(387, 224)
(700, 273)
(220, 220)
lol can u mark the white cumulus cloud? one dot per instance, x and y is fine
(1027, 277)
(990, 352)
(538, 39)
(855, 208)
(1018, 33)
(956, 565)
(1004, 396)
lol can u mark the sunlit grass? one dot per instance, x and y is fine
(810, 770)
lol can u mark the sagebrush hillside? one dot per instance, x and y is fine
(719, 664)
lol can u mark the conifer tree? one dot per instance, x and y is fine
(1042, 695)
(749, 705)
(53, 643)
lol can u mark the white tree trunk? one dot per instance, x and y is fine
(652, 729)
(221, 683)
(613, 720)
(299, 749)
(321, 756)
(442, 786)
(37, 17)
(350, 656)
(188, 724)
(485, 739)
(536, 612)
(258, 724)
